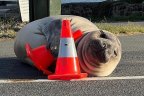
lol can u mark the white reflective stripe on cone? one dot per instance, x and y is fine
(67, 48)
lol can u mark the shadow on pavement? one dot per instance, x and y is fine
(12, 68)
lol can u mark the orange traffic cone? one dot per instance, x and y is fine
(67, 66)
(77, 34)
(41, 57)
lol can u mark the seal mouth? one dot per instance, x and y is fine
(104, 57)
(101, 55)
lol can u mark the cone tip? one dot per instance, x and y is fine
(66, 29)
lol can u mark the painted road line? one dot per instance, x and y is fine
(25, 80)
(111, 78)
(84, 79)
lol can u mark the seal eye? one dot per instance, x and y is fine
(115, 53)
(103, 35)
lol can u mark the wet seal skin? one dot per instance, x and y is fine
(99, 51)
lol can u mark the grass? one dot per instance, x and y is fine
(9, 27)
(132, 17)
(8, 34)
(129, 28)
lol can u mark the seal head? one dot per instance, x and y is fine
(99, 52)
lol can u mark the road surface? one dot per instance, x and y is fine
(17, 79)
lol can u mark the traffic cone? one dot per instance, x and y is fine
(41, 57)
(67, 66)
(77, 34)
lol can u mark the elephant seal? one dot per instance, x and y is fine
(99, 51)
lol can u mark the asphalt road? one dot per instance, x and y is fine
(18, 79)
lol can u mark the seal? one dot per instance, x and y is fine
(99, 51)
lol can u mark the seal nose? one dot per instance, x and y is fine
(104, 45)
(111, 50)
(105, 56)
(107, 52)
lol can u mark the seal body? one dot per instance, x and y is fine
(99, 51)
